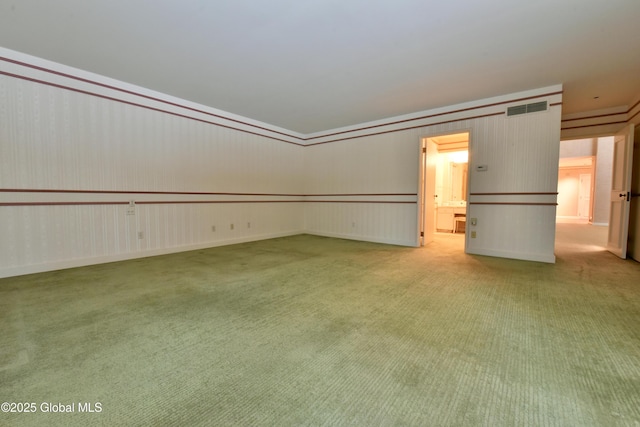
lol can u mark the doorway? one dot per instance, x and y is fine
(575, 182)
(608, 192)
(444, 177)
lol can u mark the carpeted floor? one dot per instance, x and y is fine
(313, 331)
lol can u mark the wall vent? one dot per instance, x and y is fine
(514, 111)
(527, 108)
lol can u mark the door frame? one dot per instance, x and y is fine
(422, 162)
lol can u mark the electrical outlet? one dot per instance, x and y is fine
(248, 225)
(474, 221)
(131, 208)
(213, 228)
(353, 224)
(231, 227)
(140, 234)
(473, 234)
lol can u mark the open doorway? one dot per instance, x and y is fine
(576, 178)
(584, 187)
(599, 175)
(444, 186)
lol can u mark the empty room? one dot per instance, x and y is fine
(319, 213)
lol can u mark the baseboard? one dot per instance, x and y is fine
(600, 224)
(551, 259)
(74, 263)
(362, 238)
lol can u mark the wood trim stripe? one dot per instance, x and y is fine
(628, 119)
(252, 201)
(594, 125)
(593, 117)
(130, 92)
(195, 193)
(514, 203)
(360, 194)
(61, 203)
(434, 115)
(244, 123)
(633, 106)
(362, 201)
(188, 193)
(403, 129)
(135, 104)
(516, 194)
(180, 202)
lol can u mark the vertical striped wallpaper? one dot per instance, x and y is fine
(186, 176)
(74, 141)
(521, 155)
(604, 122)
(190, 169)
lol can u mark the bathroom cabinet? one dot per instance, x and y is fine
(445, 218)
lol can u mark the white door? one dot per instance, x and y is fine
(633, 249)
(428, 184)
(620, 192)
(423, 189)
(584, 196)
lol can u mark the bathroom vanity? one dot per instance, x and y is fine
(451, 191)
(446, 218)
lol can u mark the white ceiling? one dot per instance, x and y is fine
(313, 65)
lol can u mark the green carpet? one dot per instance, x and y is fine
(308, 330)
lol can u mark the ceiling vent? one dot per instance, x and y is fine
(527, 108)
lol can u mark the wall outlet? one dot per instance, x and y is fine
(474, 221)
(131, 208)
(140, 234)
(473, 234)
(231, 227)
(353, 224)
(213, 228)
(248, 225)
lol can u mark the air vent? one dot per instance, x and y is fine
(514, 111)
(537, 106)
(528, 108)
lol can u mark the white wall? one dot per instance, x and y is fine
(93, 151)
(602, 186)
(368, 188)
(578, 148)
(521, 154)
(75, 148)
(590, 124)
(569, 191)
